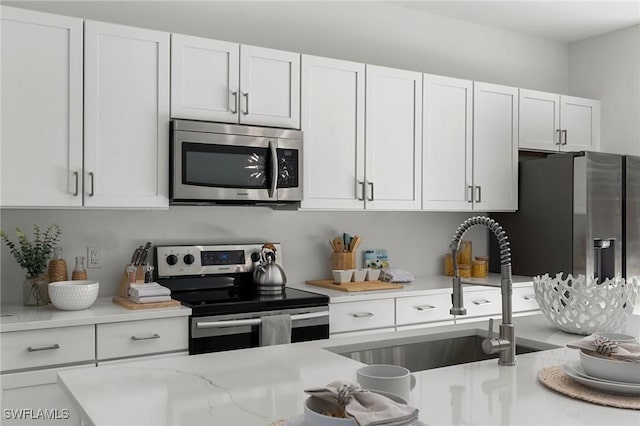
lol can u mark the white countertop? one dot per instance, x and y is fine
(262, 385)
(16, 317)
(423, 285)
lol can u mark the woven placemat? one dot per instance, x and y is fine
(556, 379)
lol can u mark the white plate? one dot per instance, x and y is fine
(575, 371)
(299, 421)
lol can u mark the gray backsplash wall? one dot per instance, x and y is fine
(416, 241)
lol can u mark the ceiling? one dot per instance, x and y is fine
(564, 21)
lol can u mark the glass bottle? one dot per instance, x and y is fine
(79, 272)
(57, 267)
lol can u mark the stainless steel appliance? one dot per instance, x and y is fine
(216, 282)
(577, 213)
(225, 163)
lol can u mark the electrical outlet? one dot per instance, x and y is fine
(93, 258)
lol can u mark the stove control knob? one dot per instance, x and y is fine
(188, 259)
(172, 259)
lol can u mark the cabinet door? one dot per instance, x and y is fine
(447, 139)
(270, 87)
(580, 124)
(204, 79)
(126, 116)
(333, 126)
(495, 147)
(539, 120)
(393, 130)
(41, 134)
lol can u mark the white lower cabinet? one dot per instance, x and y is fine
(423, 309)
(361, 315)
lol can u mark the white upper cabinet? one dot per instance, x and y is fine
(126, 136)
(553, 122)
(205, 78)
(393, 135)
(41, 133)
(228, 82)
(495, 148)
(447, 143)
(333, 126)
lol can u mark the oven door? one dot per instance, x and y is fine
(238, 331)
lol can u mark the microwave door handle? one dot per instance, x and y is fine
(274, 169)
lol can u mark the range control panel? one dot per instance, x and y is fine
(189, 260)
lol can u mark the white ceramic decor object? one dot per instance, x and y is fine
(341, 276)
(387, 378)
(603, 367)
(584, 306)
(73, 295)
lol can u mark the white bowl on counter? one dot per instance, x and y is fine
(73, 295)
(316, 409)
(603, 367)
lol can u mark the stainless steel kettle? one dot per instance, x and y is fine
(268, 276)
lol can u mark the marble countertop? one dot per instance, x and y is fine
(423, 285)
(16, 317)
(261, 385)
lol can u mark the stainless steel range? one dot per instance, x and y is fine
(215, 281)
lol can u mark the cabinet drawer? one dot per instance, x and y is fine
(419, 309)
(361, 315)
(483, 302)
(47, 347)
(134, 338)
(524, 299)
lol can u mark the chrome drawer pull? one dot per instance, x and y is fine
(481, 302)
(154, 336)
(529, 297)
(424, 307)
(43, 348)
(362, 315)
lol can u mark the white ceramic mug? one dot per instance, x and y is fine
(387, 378)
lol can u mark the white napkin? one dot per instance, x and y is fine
(366, 408)
(149, 299)
(148, 289)
(625, 351)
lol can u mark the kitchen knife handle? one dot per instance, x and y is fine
(274, 169)
(565, 137)
(371, 187)
(235, 102)
(76, 192)
(43, 348)
(92, 192)
(361, 197)
(470, 193)
(246, 103)
(559, 132)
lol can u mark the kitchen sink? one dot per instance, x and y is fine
(429, 351)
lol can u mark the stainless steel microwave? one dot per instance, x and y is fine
(227, 163)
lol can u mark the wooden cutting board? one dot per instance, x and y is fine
(358, 286)
(119, 300)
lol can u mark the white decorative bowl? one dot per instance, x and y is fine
(584, 306)
(314, 409)
(73, 295)
(603, 367)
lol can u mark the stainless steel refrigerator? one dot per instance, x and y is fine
(577, 213)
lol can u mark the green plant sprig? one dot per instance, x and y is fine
(33, 255)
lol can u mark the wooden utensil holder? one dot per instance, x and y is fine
(123, 290)
(345, 260)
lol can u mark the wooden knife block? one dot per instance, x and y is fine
(123, 290)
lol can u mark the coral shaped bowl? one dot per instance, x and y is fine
(73, 295)
(584, 306)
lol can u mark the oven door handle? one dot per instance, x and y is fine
(256, 321)
(274, 170)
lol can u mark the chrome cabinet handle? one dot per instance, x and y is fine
(246, 103)
(370, 187)
(43, 348)
(274, 169)
(470, 194)
(92, 192)
(153, 336)
(529, 297)
(479, 194)
(362, 315)
(424, 307)
(559, 132)
(235, 102)
(565, 137)
(361, 197)
(76, 192)
(481, 302)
